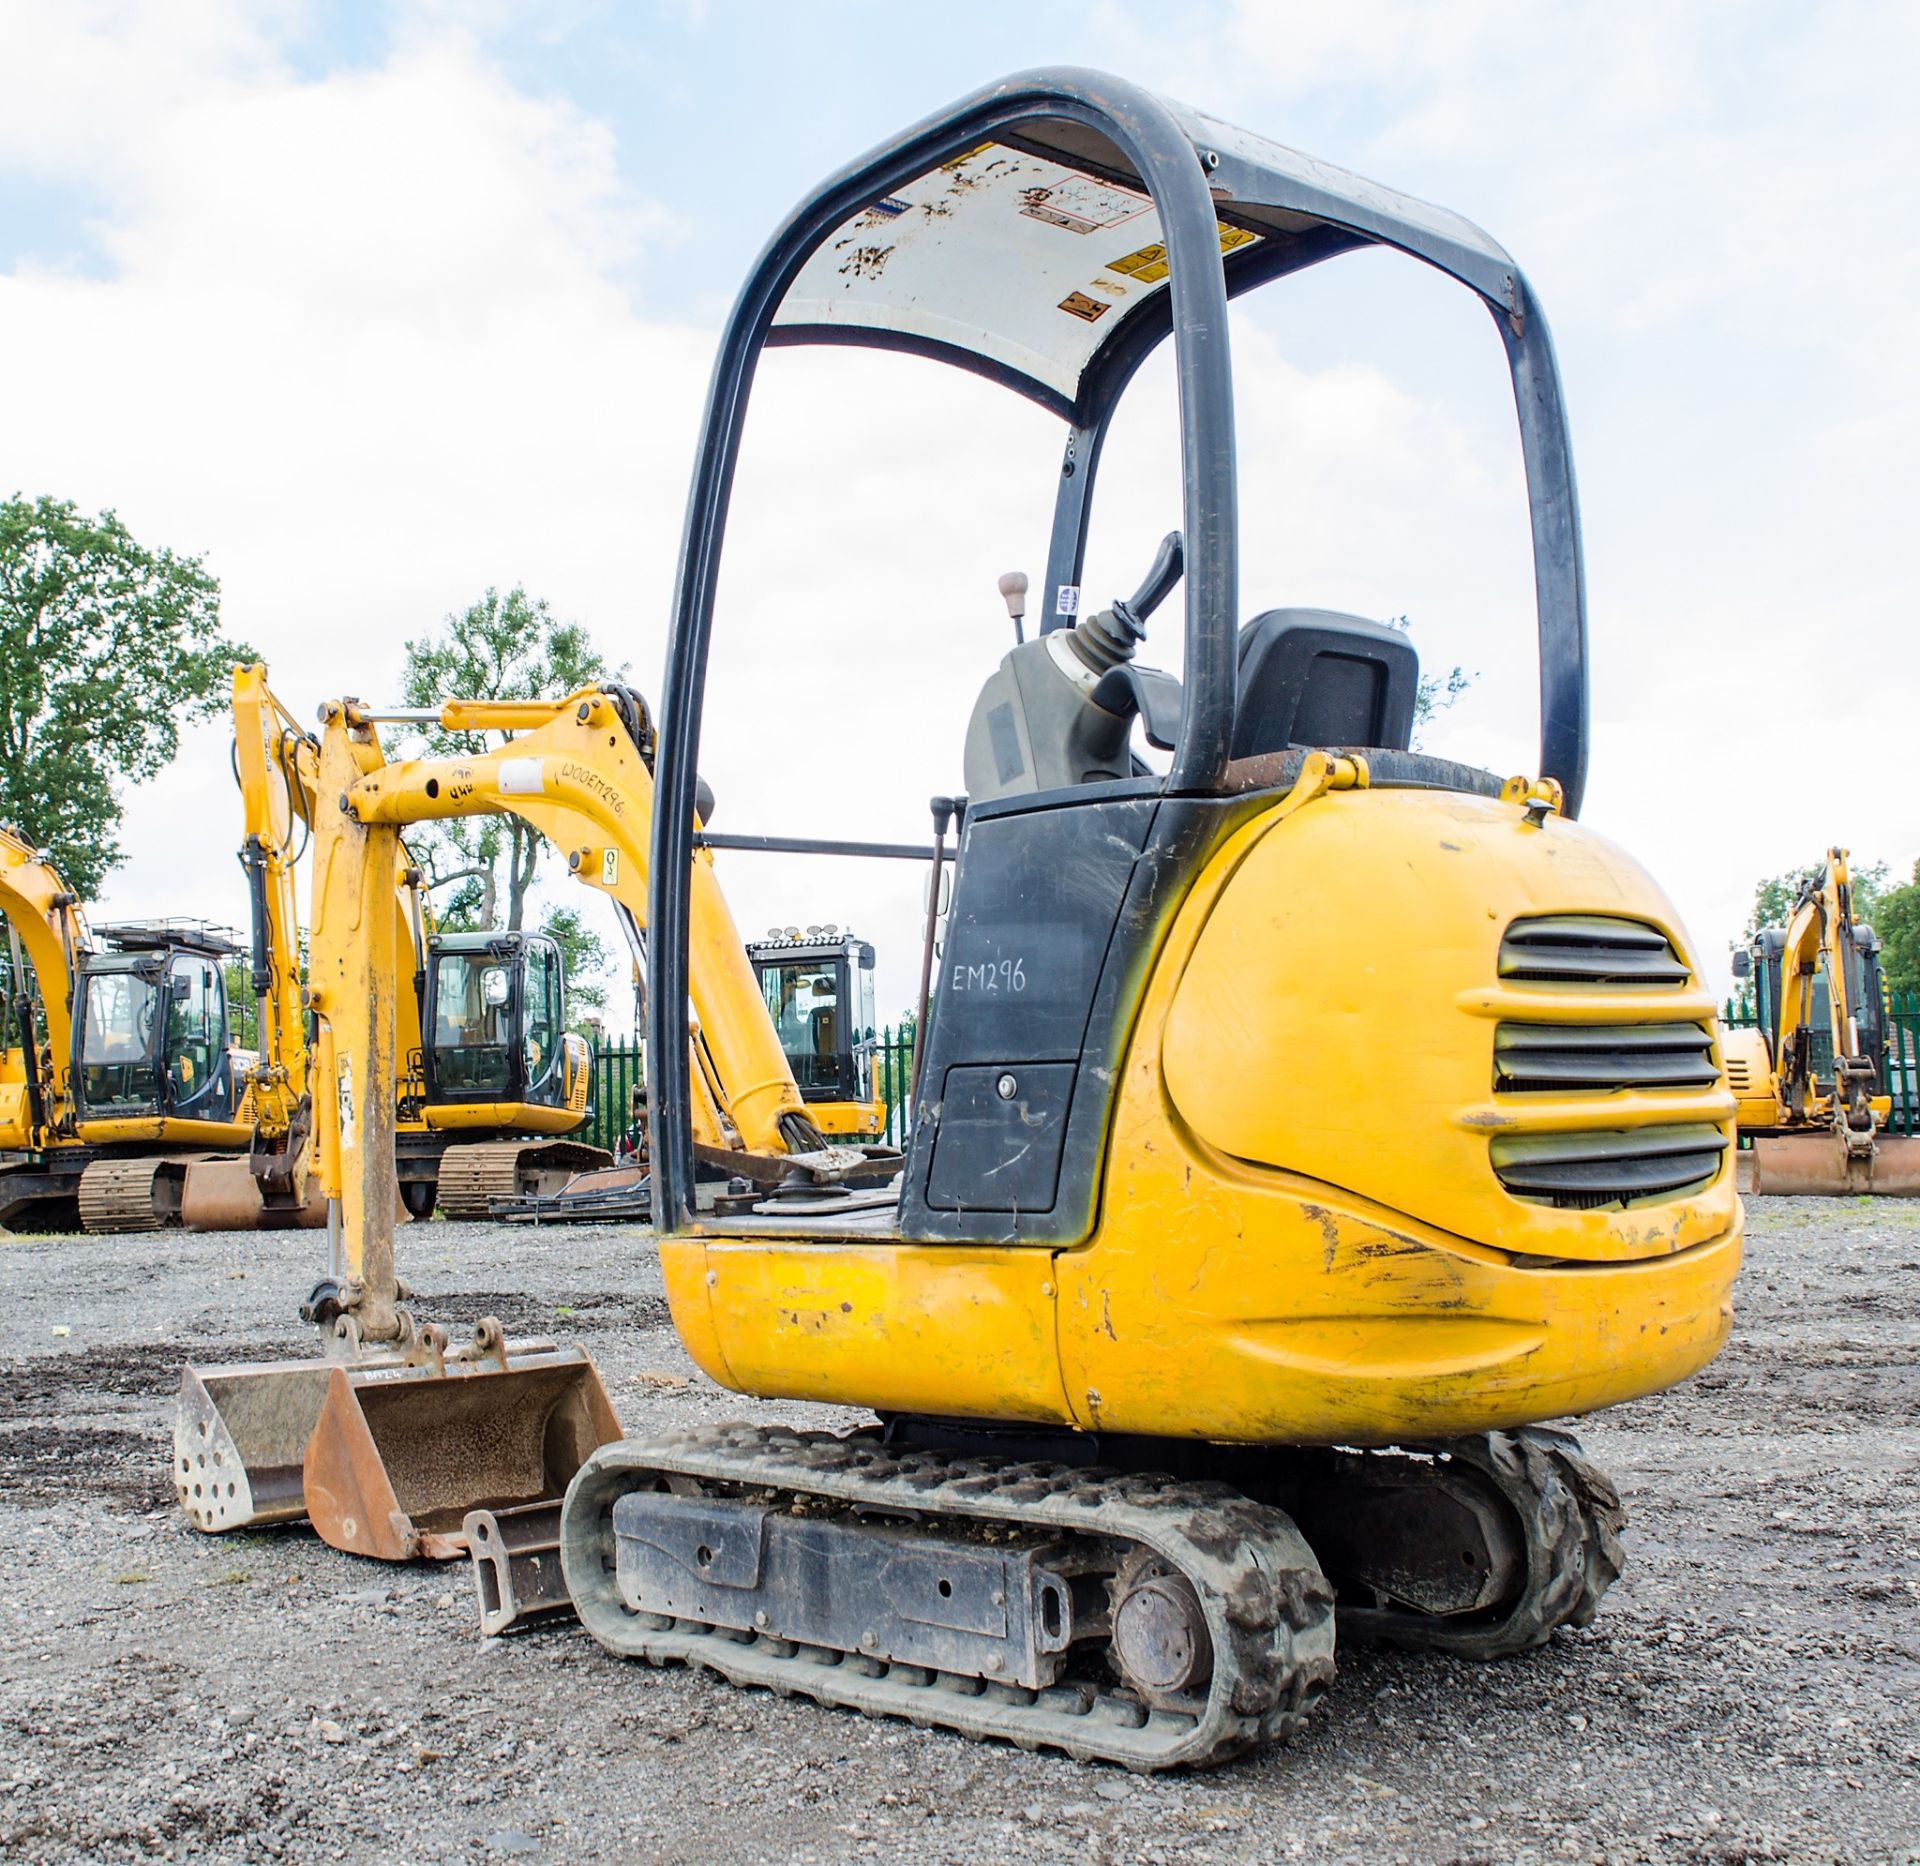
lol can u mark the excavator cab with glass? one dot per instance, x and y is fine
(818, 987)
(118, 1076)
(150, 1027)
(494, 1006)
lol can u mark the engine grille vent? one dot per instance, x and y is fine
(1539, 1059)
(1739, 1076)
(1582, 1172)
(1589, 949)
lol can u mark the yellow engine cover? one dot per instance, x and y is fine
(1337, 1016)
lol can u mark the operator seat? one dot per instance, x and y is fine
(1316, 677)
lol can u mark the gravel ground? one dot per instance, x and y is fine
(1751, 1690)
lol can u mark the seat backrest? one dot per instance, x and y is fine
(1316, 677)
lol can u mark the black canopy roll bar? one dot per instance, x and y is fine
(1202, 177)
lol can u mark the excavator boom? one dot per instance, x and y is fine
(48, 931)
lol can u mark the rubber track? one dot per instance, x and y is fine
(1571, 1517)
(474, 1174)
(1268, 1607)
(117, 1195)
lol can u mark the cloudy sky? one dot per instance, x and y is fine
(378, 305)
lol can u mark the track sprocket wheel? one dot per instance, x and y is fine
(1570, 1518)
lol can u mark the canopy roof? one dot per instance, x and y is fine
(1026, 256)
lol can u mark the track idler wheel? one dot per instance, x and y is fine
(1552, 1522)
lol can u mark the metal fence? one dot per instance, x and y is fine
(617, 1072)
(618, 1069)
(893, 1079)
(1903, 1052)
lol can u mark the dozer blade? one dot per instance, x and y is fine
(239, 1440)
(1818, 1166)
(224, 1195)
(400, 1455)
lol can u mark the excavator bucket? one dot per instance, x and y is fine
(240, 1439)
(399, 1456)
(1818, 1166)
(224, 1195)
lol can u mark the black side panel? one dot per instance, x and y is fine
(1034, 901)
(1035, 898)
(1075, 899)
(1092, 888)
(1001, 1131)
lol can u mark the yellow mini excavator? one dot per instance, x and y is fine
(120, 1077)
(1301, 1127)
(1810, 1080)
(391, 1439)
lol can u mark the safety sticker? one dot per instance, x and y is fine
(520, 777)
(1067, 603)
(1082, 205)
(609, 868)
(1148, 266)
(1079, 305)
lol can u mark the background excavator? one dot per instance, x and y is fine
(393, 1437)
(1300, 1127)
(120, 1079)
(818, 986)
(492, 1080)
(1810, 1079)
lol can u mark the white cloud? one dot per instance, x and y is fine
(361, 345)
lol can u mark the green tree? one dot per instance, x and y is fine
(507, 647)
(1435, 692)
(1774, 899)
(586, 958)
(106, 648)
(1897, 921)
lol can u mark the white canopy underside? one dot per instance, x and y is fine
(1020, 260)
